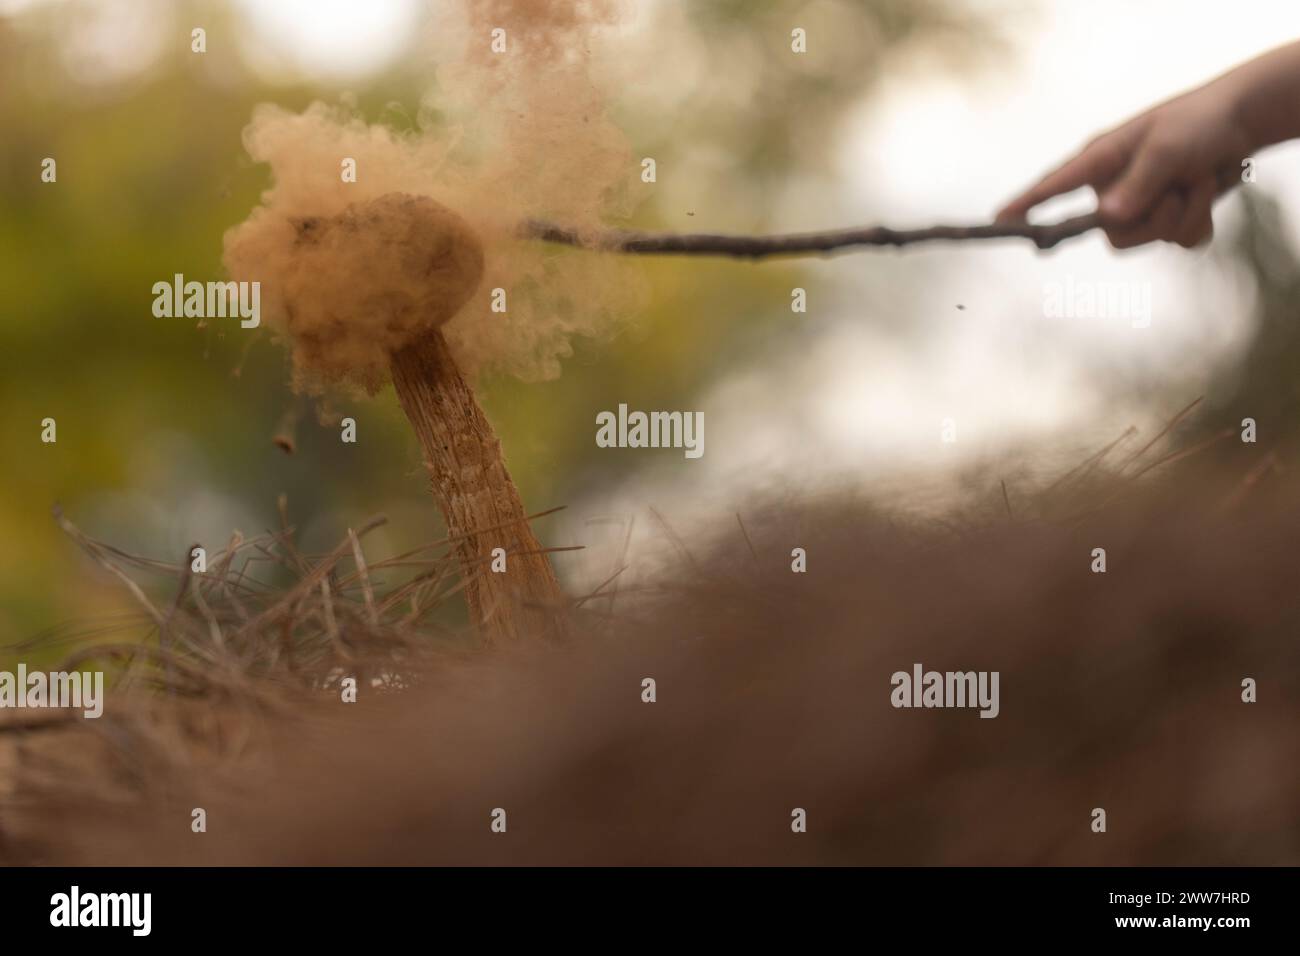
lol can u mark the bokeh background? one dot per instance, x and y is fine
(906, 112)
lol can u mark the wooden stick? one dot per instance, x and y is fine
(801, 243)
(480, 502)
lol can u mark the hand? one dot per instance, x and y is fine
(1156, 176)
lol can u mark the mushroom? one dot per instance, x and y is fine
(408, 264)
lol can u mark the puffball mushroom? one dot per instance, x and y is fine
(365, 294)
(361, 285)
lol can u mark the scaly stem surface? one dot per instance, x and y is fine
(477, 497)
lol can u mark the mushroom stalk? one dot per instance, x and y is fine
(477, 497)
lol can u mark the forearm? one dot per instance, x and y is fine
(1265, 95)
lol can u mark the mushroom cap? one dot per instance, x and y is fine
(364, 283)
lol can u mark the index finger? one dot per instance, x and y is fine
(1098, 163)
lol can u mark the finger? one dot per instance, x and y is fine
(1134, 193)
(1098, 162)
(1160, 224)
(1227, 178)
(1197, 223)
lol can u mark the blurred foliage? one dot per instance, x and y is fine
(1268, 386)
(164, 430)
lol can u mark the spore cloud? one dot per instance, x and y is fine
(515, 128)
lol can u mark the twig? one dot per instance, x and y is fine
(214, 628)
(327, 611)
(94, 551)
(40, 720)
(165, 629)
(1252, 478)
(676, 540)
(1169, 426)
(366, 590)
(622, 560)
(595, 592)
(800, 243)
(1183, 453)
(1089, 464)
(753, 555)
(313, 577)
